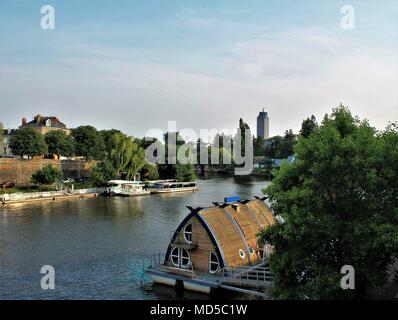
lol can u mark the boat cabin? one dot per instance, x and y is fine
(174, 185)
(171, 187)
(219, 237)
(125, 187)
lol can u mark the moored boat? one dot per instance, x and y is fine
(217, 247)
(126, 188)
(169, 187)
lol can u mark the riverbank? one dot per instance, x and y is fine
(20, 197)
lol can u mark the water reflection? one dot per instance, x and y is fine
(96, 244)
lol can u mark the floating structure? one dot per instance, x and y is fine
(151, 183)
(217, 247)
(171, 187)
(126, 188)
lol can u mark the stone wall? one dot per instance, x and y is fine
(20, 171)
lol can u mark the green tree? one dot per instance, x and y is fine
(308, 126)
(338, 206)
(185, 172)
(169, 169)
(28, 142)
(243, 126)
(259, 146)
(107, 136)
(126, 155)
(145, 142)
(272, 146)
(149, 172)
(46, 175)
(137, 161)
(285, 147)
(101, 173)
(59, 143)
(89, 143)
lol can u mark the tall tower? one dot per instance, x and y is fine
(263, 124)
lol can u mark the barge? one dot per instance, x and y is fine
(217, 247)
(171, 187)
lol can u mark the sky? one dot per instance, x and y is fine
(135, 65)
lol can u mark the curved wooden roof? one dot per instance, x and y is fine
(233, 227)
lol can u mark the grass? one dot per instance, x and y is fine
(28, 189)
(42, 188)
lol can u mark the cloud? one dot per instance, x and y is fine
(293, 75)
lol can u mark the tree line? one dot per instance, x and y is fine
(117, 154)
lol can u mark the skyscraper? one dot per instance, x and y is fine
(263, 124)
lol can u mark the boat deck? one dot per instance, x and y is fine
(256, 277)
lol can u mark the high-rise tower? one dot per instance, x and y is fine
(263, 124)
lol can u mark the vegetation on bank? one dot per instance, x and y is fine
(339, 206)
(117, 155)
(28, 189)
(47, 175)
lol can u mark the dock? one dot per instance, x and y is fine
(51, 198)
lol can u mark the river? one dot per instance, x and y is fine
(96, 245)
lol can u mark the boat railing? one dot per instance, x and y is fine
(255, 276)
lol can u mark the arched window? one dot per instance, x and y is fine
(180, 257)
(175, 257)
(185, 258)
(48, 123)
(188, 233)
(242, 254)
(213, 263)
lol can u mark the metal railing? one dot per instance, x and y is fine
(252, 276)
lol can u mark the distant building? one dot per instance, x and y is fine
(44, 124)
(263, 125)
(5, 150)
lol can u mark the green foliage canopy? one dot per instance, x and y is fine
(89, 143)
(28, 142)
(46, 175)
(339, 203)
(308, 126)
(59, 143)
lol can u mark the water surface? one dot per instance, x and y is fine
(96, 245)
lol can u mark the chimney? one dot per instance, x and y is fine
(23, 121)
(38, 118)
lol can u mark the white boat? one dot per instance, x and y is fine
(151, 183)
(126, 188)
(169, 187)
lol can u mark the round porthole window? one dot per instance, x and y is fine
(252, 251)
(242, 253)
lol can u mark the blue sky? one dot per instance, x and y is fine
(136, 64)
